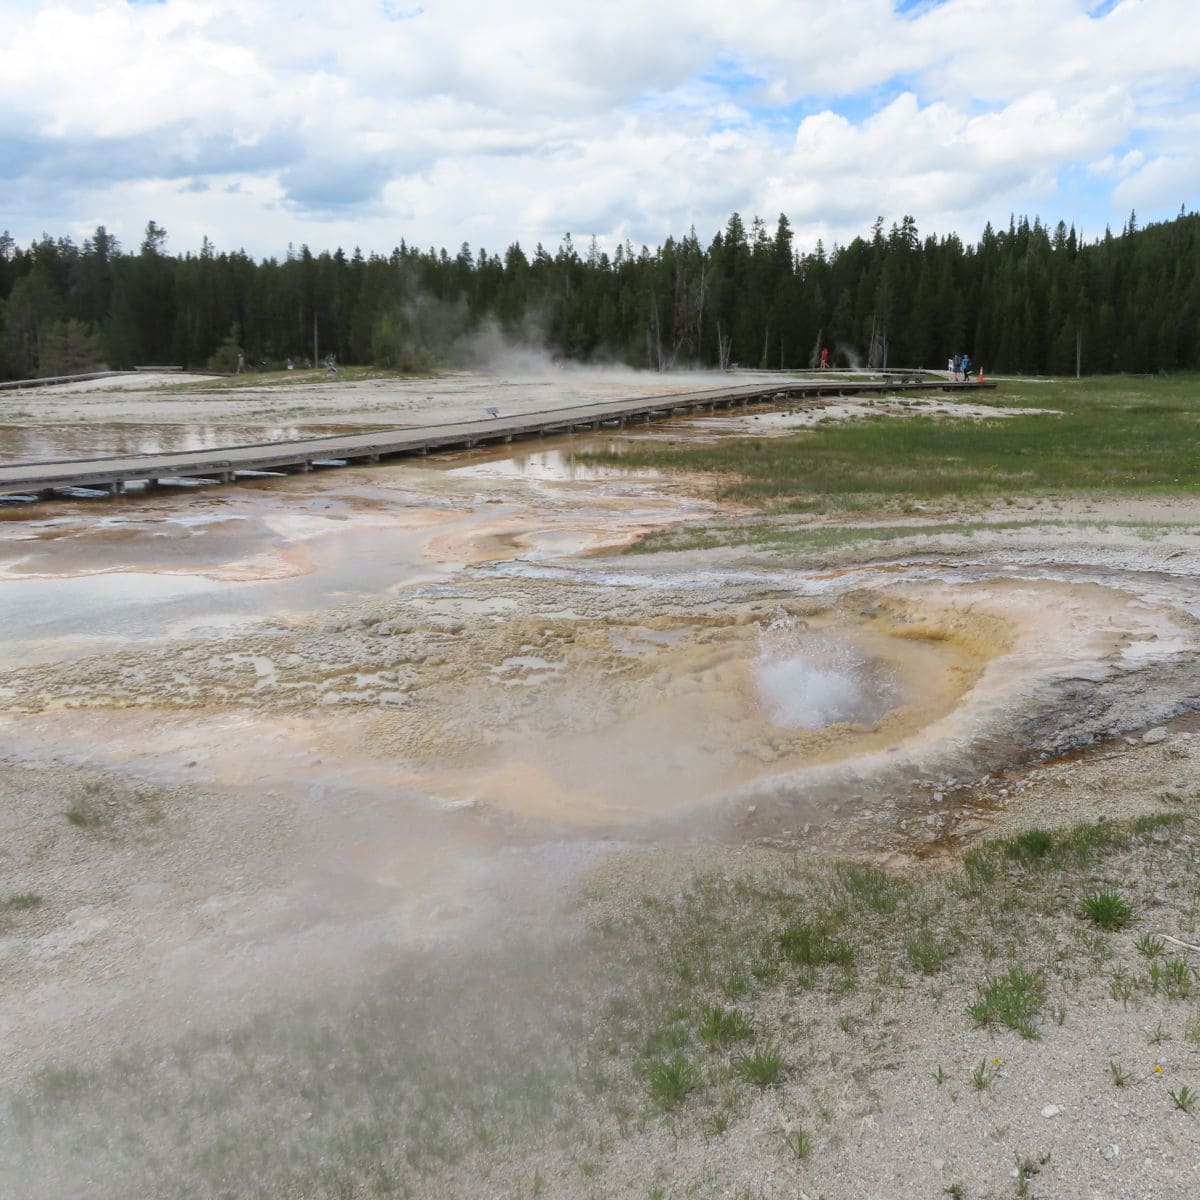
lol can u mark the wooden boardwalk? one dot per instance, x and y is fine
(47, 479)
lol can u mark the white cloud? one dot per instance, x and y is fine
(1162, 183)
(363, 122)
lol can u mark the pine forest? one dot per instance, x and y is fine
(1028, 298)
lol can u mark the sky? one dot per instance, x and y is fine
(264, 123)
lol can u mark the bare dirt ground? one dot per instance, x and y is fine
(423, 732)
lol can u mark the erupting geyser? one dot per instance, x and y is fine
(808, 680)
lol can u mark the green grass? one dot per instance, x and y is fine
(15, 903)
(763, 1066)
(1039, 850)
(1108, 909)
(1110, 434)
(111, 807)
(798, 1143)
(926, 952)
(721, 1026)
(1030, 846)
(1150, 945)
(86, 815)
(782, 534)
(810, 945)
(670, 1079)
(1174, 979)
(1014, 1000)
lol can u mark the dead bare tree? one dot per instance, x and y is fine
(724, 348)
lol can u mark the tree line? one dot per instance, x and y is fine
(1027, 298)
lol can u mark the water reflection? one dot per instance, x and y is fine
(38, 443)
(557, 464)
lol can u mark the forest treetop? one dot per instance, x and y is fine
(1026, 298)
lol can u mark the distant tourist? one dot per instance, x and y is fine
(956, 367)
(824, 358)
(950, 367)
(966, 367)
(291, 364)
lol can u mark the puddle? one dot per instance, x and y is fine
(71, 615)
(104, 606)
(557, 465)
(37, 443)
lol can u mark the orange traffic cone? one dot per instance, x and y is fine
(980, 374)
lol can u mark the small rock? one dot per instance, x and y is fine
(1158, 734)
(938, 797)
(1112, 1151)
(939, 1164)
(752, 809)
(1051, 1111)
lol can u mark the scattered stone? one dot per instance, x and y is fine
(1051, 1111)
(1157, 734)
(938, 797)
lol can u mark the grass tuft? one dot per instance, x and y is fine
(1014, 1000)
(670, 1079)
(811, 945)
(720, 1026)
(1108, 910)
(1030, 846)
(762, 1066)
(1150, 945)
(927, 953)
(799, 1143)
